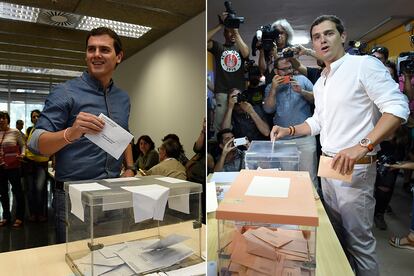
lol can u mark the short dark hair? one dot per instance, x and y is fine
(172, 148)
(19, 122)
(276, 62)
(221, 133)
(382, 50)
(5, 114)
(106, 31)
(34, 111)
(333, 18)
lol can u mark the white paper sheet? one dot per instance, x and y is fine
(75, 193)
(193, 270)
(166, 242)
(108, 250)
(142, 262)
(224, 177)
(100, 259)
(113, 138)
(180, 203)
(149, 201)
(122, 270)
(269, 187)
(121, 179)
(171, 179)
(211, 197)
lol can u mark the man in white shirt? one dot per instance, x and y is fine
(348, 96)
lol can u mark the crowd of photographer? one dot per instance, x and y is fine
(252, 99)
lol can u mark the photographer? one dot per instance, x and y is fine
(229, 65)
(311, 73)
(247, 119)
(231, 158)
(283, 40)
(290, 97)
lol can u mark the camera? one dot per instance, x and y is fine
(243, 96)
(288, 54)
(268, 36)
(405, 63)
(382, 160)
(232, 21)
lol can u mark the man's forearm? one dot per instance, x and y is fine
(302, 130)
(270, 101)
(244, 49)
(213, 31)
(307, 95)
(220, 164)
(386, 126)
(51, 142)
(227, 118)
(260, 124)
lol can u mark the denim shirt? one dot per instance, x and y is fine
(291, 107)
(82, 160)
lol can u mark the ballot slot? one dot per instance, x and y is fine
(132, 226)
(267, 233)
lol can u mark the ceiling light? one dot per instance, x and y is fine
(37, 70)
(68, 20)
(121, 28)
(18, 12)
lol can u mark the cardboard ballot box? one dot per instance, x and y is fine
(282, 155)
(123, 207)
(267, 225)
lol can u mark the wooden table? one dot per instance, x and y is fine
(330, 258)
(50, 260)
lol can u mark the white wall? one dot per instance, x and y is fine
(166, 85)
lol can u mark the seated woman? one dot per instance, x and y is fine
(147, 155)
(169, 164)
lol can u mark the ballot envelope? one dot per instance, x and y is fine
(132, 225)
(267, 224)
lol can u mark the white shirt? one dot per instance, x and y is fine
(347, 100)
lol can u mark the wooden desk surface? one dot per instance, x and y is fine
(330, 258)
(50, 260)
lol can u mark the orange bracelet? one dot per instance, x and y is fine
(294, 130)
(66, 139)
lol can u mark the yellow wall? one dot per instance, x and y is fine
(396, 41)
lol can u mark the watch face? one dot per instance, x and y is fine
(365, 142)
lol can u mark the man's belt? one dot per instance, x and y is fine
(367, 159)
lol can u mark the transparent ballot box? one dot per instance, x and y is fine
(132, 226)
(267, 225)
(282, 155)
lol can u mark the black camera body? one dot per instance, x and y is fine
(268, 36)
(232, 21)
(243, 96)
(405, 63)
(382, 160)
(288, 53)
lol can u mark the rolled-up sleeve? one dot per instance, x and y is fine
(383, 90)
(34, 141)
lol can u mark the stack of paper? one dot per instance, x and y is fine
(149, 201)
(263, 251)
(136, 257)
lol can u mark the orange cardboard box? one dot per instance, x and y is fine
(298, 208)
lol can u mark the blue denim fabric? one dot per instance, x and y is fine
(291, 108)
(82, 159)
(36, 186)
(59, 205)
(412, 216)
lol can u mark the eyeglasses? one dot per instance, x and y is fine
(285, 69)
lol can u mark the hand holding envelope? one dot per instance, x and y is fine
(325, 170)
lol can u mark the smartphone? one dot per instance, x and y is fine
(240, 141)
(286, 79)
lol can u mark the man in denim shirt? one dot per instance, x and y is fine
(290, 98)
(72, 109)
